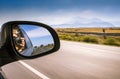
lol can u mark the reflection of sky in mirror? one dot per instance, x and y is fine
(38, 35)
(35, 31)
(28, 27)
(45, 40)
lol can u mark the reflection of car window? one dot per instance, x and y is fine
(29, 47)
(28, 41)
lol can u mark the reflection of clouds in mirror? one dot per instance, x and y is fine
(35, 31)
(40, 32)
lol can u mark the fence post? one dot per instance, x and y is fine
(104, 34)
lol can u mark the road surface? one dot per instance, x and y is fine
(73, 61)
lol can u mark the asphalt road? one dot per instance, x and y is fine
(73, 61)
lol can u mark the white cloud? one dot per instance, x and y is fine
(65, 17)
(39, 32)
(62, 17)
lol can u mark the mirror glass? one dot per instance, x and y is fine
(30, 40)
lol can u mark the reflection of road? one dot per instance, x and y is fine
(42, 49)
(72, 61)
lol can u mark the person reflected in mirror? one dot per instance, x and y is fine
(19, 39)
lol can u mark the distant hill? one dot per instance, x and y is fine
(85, 23)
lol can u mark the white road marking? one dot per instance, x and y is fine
(34, 70)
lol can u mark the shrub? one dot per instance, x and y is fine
(112, 41)
(68, 37)
(115, 41)
(90, 39)
(65, 37)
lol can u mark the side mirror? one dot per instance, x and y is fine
(26, 40)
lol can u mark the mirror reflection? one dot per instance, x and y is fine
(30, 40)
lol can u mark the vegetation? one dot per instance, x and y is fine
(89, 38)
(112, 41)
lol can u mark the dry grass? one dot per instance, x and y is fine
(96, 30)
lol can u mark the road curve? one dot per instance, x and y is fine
(73, 61)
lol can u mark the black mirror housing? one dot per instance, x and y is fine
(8, 49)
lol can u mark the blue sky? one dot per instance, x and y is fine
(57, 12)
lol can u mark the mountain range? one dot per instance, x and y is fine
(85, 23)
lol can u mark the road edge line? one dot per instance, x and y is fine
(33, 70)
